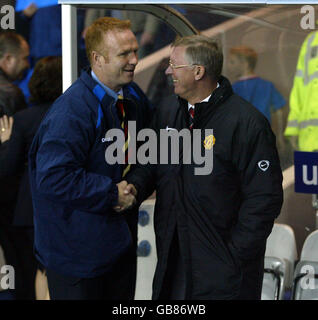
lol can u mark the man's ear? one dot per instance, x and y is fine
(199, 72)
(9, 57)
(95, 58)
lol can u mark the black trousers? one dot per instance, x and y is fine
(174, 283)
(113, 285)
(17, 245)
(117, 284)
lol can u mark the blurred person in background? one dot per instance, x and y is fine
(259, 92)
(302, 125)
(40, 23)
(45, 86)
(14, 52)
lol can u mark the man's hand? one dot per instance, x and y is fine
(30, 10)
(126, 196)
(6, 124)
(130, 188)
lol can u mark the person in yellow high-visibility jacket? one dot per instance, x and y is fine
(302, 126)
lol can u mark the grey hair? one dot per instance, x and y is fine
(203, 51)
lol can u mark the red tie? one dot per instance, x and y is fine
(124, 125)
(191, 113)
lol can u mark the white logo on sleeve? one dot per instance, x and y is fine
(263, 165)
(171, 129)
(107, 139)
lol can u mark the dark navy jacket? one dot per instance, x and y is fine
(73, 188)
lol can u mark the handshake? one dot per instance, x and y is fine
(126, 196)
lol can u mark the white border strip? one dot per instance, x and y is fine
(189, 2)
(69, 45)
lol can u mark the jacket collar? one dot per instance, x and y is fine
(108, 91)
(128, 90)
(204, 110)
(107, 102)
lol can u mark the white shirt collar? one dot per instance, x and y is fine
(204, 100)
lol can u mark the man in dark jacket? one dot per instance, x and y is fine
(45, 87)
(14, 54)
(88, 250)
(211, 228)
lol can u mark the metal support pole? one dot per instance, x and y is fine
(69, 45)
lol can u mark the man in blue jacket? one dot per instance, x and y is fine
(88, 249)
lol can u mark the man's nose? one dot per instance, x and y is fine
(133, 59)
(168, 70)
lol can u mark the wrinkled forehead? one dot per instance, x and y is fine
(178, 54)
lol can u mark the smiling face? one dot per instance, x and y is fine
(183, 77)
(117, 58)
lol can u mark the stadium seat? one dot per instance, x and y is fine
(280, 257)
(310, 248)
(306, 272)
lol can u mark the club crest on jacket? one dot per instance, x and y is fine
(209, 142)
